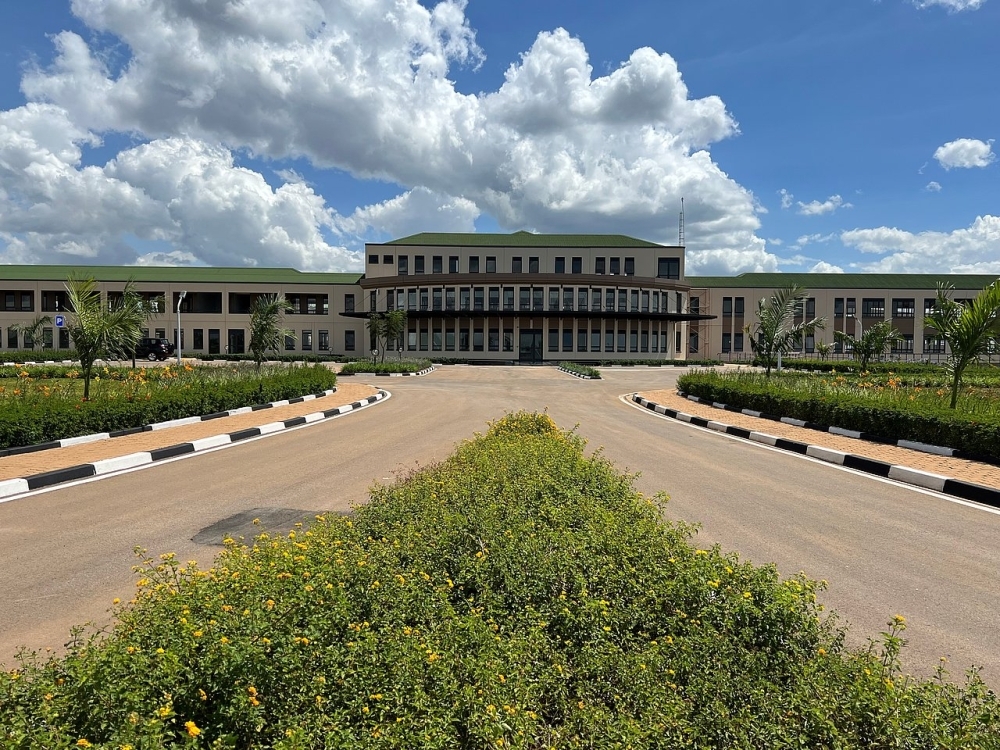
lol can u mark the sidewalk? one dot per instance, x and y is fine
(955, 468)
(29, 464)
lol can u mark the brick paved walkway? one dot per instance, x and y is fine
(28, 464)
(956, 468)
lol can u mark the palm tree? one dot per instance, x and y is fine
(968, 329)
(775, 331)
(872, 344)
(33, 331)
(96, 329)
(266, 331)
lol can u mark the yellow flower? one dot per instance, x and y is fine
(192, 728)
(82, 743)
(197, 634)
(202, 694)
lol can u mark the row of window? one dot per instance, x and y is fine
(194, 302)
(582, 338)
(874, 307)
(666, 268)
(567, 299)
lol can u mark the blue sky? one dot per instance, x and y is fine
(803, 136)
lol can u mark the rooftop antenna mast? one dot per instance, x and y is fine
(680, 226)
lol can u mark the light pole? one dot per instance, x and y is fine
(861, 332)
(179, 300)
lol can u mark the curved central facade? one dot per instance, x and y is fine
(531, 297)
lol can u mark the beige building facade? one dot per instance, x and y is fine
(849, 302)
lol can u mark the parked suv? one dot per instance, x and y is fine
(153, 349)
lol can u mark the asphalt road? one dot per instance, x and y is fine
(885, 549)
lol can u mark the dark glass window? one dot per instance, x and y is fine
(515, 265)
(373, 258)
(418, 264)
(560, 265)
(577, 265)
(402, 266)
(616, 266)
(668, 268)
(599, 265)
(630, 266)
(474, 264)
(453, 264)
(491, 264)
(532, 265)
(437, 264)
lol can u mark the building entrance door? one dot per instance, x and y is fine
(237, 343)
(531, 345)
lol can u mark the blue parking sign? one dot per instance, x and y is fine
(60, 321)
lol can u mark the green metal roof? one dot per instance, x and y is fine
(521, 239)
(176, 274)
(842, 280)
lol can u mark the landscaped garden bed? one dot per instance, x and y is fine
(385, 368)
(581, 371)
(518, 595)
(901, 407)
(45, 403)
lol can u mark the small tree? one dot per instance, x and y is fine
(266, 331)
(33, 331)
(775, 331)
(133, 311)
(823, 350)
(386, 327)
(873, 343)
(967, 329)
(96, 329)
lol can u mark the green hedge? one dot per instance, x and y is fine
(920, 423)
(36, 355)
(852, 366)
(27, 423)
(660, 362)
(588, 372)
(270, 357)
(518, 595)
(367, 366)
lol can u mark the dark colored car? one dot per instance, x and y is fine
(153, 349)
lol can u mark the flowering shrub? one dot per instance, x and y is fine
(38, 407)
(914, 408)
(518, 595)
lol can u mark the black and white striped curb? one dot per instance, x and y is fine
(46, 362)
(11, 487)
(578, 374)
(425, 371)
(927, 480)
(67, 442)
(937, 450)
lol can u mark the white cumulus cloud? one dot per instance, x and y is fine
(364, 87)
(952, 6)
(786, 198)
(818, 208)
(933, 187)
(975, 249)
(417, 210)
(824, 267)
(965, 153)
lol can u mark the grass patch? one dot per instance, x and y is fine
(39, 405)
(910, 407)
(584, 370)
(518, 595)
(396, 366)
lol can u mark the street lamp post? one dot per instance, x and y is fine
(179, 300)
(861, 331)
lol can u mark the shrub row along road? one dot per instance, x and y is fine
(884, 548)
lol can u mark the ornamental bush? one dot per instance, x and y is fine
(584, 370)
(43, 411)
(404, 365)
(518, 595)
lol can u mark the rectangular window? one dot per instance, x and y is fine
(645, 301)
(311, 308)
(524, 298)
(373, 259)
(810, 344)
(567, 339)
(464, 298)
(64, 338)
(553, 339)
(599, 266)
(411, 340)
(474, 264)
(668, 268)
(532, 265)
(11, 338)
(692, 342)
(553, 298)
(656, 302)
(508, 298)
(349, 341)
(595, 300)
(463, 339)
(738, 307)
(727, 342)
(438, 298)
(577, 266)
(595, 339)
(437, 264)
(214, 342)
(494, 340)
(622, 339)
(477, 297)
(581, 299)
(727, 307)
(411, 299)
(811, 308)
(655, 341)
(491, 264)
(560, 265)
(8, 301)
(494, 298)
(609, 339)
(616, 266)
(449, 298)
(418, 264)
(634, 300)
(289, 343)
(738, 342)
(930, 304)
(609, 300)
(477, 339)
(581, 336)
(437, 340)
(515, 265)
(851, 307)
(449, 340)
(838, 307)
(622, 300)
(536, 299)
(402, 269)
(324, 341)
(903, 308)
(199, 338)
(452, 264)
(903, 345)
(508, 339)
(424, 298)
(424, 339)
(696, 305)
(387, 260)
(46, 338)
(373, 300)
(644, 341)
(933, 345)
(873, 307)
(27, 301)
(568, 298)
(307, 340)
(630, 266)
